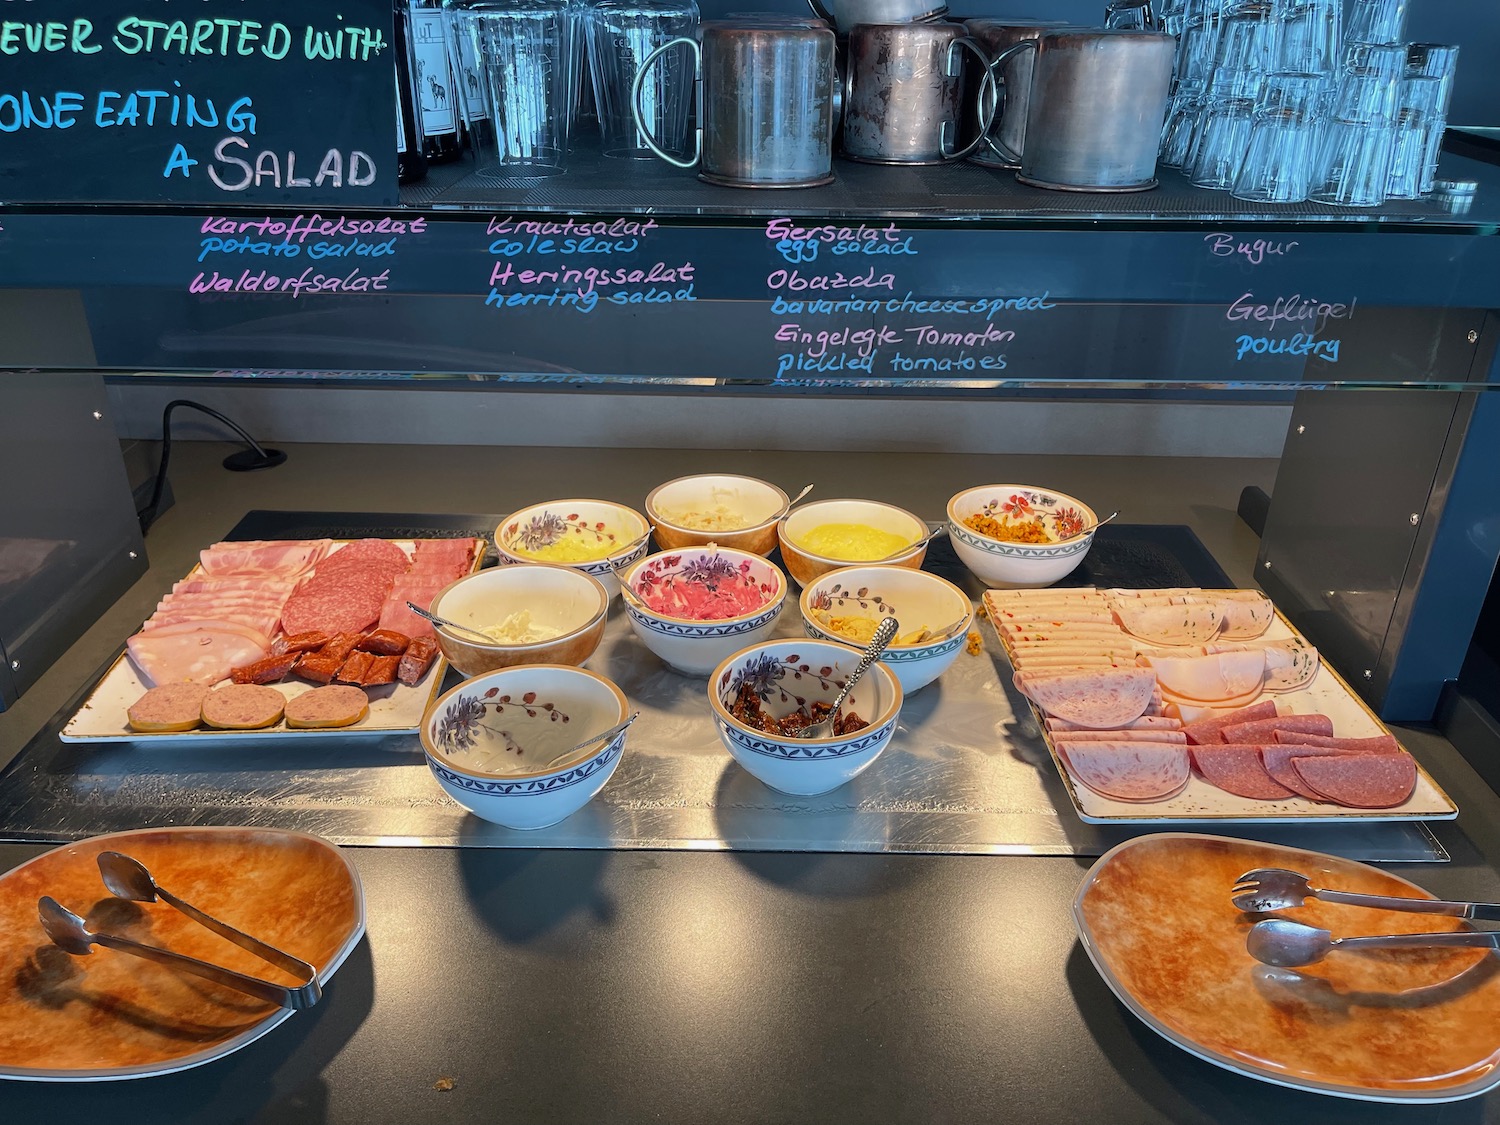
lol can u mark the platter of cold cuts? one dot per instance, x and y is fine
(285, 638)
(1163, 706)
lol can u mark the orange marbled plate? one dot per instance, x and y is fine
(1408, 1025)
(110, 1015)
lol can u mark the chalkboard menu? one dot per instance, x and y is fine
(197, 101)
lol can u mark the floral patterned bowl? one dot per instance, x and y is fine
(594, 536)
(1011, 565)
(917, 599)
(745, 501)
(554, 597)
(695, 646)
(783, 675)
(484, 737)
(805, 565)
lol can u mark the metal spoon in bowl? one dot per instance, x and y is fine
(929, 636)
(789, 505)
(1086, 531)
(129, 878)
(1287, 944)
(587, 743)
(883, 634)
(936, 533)
(451, 626)
(71, 934)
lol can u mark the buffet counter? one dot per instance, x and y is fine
(568, 985)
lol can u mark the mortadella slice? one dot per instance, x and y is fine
(1207, 729)
(1145, 722)
(1209, 678)
(1124, 734)
(199, 652)
(1260, 731)
(1360, 781)
(1238, 769)
(1096, 700)
(1128, 771)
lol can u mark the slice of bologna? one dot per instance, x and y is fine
(1238, 769)
(1095, 700)
(1159, 722)
(168, 708)
(1380, 744)
(242, 707)
(1207, 730)
(1360, 781)
(1125, 734)
(1128, 771)
(337, 705)
(1278, 762)
(1264, 730)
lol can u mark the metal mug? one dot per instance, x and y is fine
(1006, 138)
(846, 15)
(1098, 99)
(903, 93)
(766, 96)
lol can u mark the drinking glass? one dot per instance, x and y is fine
(1278, 163)
(1376, 21)
(1433, 60)
(621, 35)
(1366, 89)
(1129, 15)
(1222, 143)
(1417, 101)
(520, 49)
(1182, 122)
(1352, 168)
(1311, 36)
(1199, 45)
(1247, 40)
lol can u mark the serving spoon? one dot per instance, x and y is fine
(71, 934)
(883, 634)
(603, 735)
(789, 505)
(1287, 944)
(1088, 530)
(130, 879)
(1275, 888)
(451, 626)
(936, 533)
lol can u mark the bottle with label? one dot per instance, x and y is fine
(433, 88)
(467, 67)
(411, 160)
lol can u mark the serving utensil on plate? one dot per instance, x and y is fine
(1275, 888)
(451, 626)
(129, 878)
(1091, 528)
(883, 634)
(603, 736)
(1287, 944)
(71, 934)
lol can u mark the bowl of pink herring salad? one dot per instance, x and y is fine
(695, 606)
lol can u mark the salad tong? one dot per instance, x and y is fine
(128, 878)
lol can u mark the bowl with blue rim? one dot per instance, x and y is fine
(1019, 536)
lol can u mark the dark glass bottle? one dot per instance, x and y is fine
(432, 82)
(411, 160)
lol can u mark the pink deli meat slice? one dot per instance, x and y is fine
(201, 654)
(1207, 730)
(376, 553)
(1093, 699)
(1145, 722)
(291, 557)
(1259, 731)
(1123, 734)
(1238, 769)
(1210, 678)
(1360, 781)
(1278, 762)
(1128, 771)
(1379, 744)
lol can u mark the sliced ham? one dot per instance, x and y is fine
(1210, 678)
(1171, 624)
(1360, 780)
(1245, 618)
(1128, 771)
(1291, 663)
(1093, 699)
(201, 652)
(1238, 769)
(1207, 729)
(1260, 731)
(1379, 744)
(292, 557)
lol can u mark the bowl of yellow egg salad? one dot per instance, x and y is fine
(533, 613)
(935, 617)
(827, 534)
(1016, 536)
(598, 537)
(735, 512)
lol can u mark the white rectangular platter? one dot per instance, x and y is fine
(394, 708)
(1327, 694)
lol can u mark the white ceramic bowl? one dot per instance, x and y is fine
(696, 647)
(543, 709)
(1007, 565)
(559, 597)
(914, 597)
(812, 670)
(757, 501)
(805, 565)
(590, 523)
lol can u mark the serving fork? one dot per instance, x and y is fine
(1275, 888)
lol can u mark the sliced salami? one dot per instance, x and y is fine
(1128, 771)
(1360, 781)
(1278, 762)
(1259, 731)
(1095, 699)
(1238, 769)
(1380, 744)
(1207, 729)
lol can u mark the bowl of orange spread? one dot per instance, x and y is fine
(827, 534)
(1015, 536)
